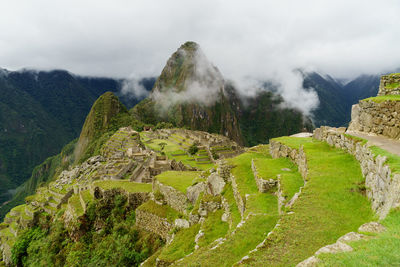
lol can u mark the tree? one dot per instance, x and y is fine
(193, 149)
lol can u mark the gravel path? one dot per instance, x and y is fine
(391, 145)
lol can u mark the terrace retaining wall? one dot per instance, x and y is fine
(377, 118)
(382, 187)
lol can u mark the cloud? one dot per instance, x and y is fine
(134, 88)
(202, 86)
(257, 40)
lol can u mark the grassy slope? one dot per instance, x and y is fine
(254, 229)
(329, 206)
(384, 250)
(163, 211)
(128, 186)
(178, 179)
(383, 98)
(392, 160)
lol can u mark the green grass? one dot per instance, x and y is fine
(383, 98)
(128, 186)
(243, 173)
(163, 211)
(235, 214)
(356, 139)
(75, 203)
(182, 245)
(257, 202)
(392, 160)
(383, 250)
(236, 246)
(87, 197)
(253, 232)
(172, 148)
(329, 206)
(179, 180)
(392, 86)
(213, 228)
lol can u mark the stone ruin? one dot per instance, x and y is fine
(390, 84)
(381, 118)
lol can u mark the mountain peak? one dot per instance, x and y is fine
(186, 67)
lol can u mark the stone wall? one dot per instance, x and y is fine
(378, 118)
(173, 197)
(278, 150)
(262, 185)
(390, 84)
(153, 223)
(383, 187)
(240, 202)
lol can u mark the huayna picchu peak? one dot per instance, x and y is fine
(191, 92)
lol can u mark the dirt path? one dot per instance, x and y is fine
(391, 145)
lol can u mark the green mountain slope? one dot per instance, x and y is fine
(40, 112)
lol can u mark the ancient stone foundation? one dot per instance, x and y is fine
(377, 118)
(390, 84)
(382, 187)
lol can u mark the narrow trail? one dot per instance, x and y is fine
(390, 145)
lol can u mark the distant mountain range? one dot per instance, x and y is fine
(336, 98)
(41, 111)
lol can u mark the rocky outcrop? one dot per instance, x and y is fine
(382, 187)
(215, 184)
(377, 118)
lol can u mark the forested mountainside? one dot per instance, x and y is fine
(336, 98)
(40, 112)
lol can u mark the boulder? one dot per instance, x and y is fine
(372, 227)
(215, 184)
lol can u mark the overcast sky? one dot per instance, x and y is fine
(124, 37)
(256, 39)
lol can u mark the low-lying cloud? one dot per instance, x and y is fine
(261, 40)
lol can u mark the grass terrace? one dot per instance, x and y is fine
(330, 197)
(128, 186)
(356, 139)
(182, 245)
(213, 228)
(163, 211)
(175, 151)
(383, 250)
(392, 160)
(75, 203)
(179, 180)
(383, 98)
(236, 246)
(291, 180)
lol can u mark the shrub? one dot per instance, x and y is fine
(193, 149)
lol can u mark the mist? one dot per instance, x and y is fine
(249, 42)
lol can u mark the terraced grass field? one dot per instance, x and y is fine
(179, 180)
(330, 206)
(128, 186)
(382, 250)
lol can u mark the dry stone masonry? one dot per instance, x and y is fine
(390, 84)
(383, 187)
(379, 118)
